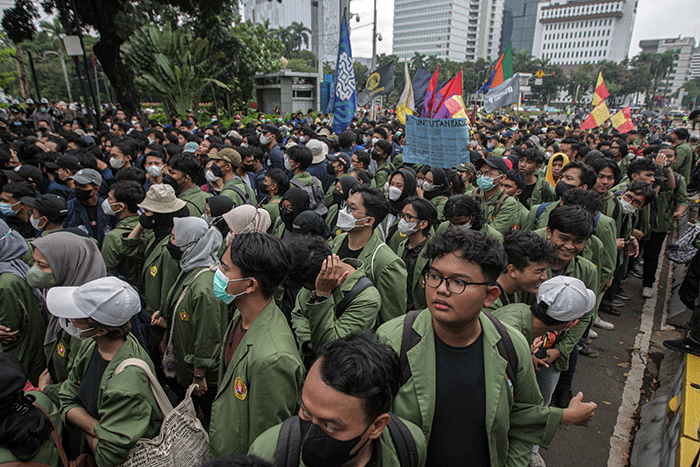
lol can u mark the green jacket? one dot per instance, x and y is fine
(20, 311)
(48, 454)
(329, 194)
(317, 322)
(127, 409)
(197, 326)
(265, 446)
(60, 362)
(124, 256)
(439, 202)
(486, 228)
(515, 418)
(518, 316)
(261, 386)
(306, 179)
(612, 206)
(196, 200)
(385, 269)
(501, 211)
(417, 282)
(606, 231)
(684, 160)
(666, 203)
(522, 216)
(542, 193)
(583, 269)
(160, 271)
(382, 175)
(238, 200)
(543, 219)
(273, 208)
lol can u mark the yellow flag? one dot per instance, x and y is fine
(406, 104)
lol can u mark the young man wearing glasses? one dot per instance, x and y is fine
(455, 352)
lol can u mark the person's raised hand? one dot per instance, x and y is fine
(331, 275)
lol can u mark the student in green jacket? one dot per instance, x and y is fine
(28, 433)
(513, 186)
(275, 184)
(502, 419)
(436, 189)
(417, 218)
(342, 189)
(608, 175)
(529, 256)
(48, 212)
(684, 153)
(338, 165)
(324, 282)
(464, 212)
(537, 190)
(124, 256)
(366, 208)
(21, 312)
(185, 169)
(380, 153)
(401, 186)
(228, 160)
(62, 259)
(296, 161)
(260, 372)
(194, 318)
(344, 411)
(113, 411)
(501, 211)
(294, 202)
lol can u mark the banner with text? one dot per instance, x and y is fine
(436, 142)
(503, 95)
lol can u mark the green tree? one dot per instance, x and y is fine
(581, 81)
(18, 23)
(300, 33)
(361, 74)
(416, 61)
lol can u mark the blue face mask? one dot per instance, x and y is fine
(484, 183)
(221, 284)
(6, 209)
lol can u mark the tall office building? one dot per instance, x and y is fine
(683, 50)
(695, 64)
(574, 32)
(519, 21)
(457, 30)
(321, 16)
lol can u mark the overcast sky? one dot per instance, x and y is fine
(655, 19)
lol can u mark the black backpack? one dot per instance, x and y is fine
(244, 194)
(289, 443)
(411, 338)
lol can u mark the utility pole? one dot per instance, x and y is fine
(36, 83)
(374, 54)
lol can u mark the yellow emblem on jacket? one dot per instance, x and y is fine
(239, 389)
(154, 271)
(184, 316)
(61, 350)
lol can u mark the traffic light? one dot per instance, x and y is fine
(554, 73)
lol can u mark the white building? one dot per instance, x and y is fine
(575, 32)
(683, 50)
(695, 64)
(458, 30)
(325, 27)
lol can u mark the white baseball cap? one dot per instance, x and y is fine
(108, 300)
(567, 298)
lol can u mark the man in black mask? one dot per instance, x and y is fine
(85, 210)
(345, 412)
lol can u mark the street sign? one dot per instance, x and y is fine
(525, 89)
(540, 73)
(538, 82)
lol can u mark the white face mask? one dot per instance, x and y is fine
(366, 139)
(491, 144)
(407, 228)
(374, 141)
(428, 186)
(150, 141)
(116, 163)
(35, 223)
(627, 208)
(346, 221)
(303, 139)
(394, 193)
(264, 140)
(464, 227)
(67, 326)
(244, 144)
(548, 155)
(107, 208)
(155, 171)
(209, 175)
(288, 164)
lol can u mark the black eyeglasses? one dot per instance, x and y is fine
(454, 285)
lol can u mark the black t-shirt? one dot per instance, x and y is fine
(458, 436)
(345, 252)
(90, 384)
(526, 195)
(92, 215)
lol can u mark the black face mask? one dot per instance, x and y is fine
(562, 188)
(215, 170)
(82, 195)
(174, 251)
(376, 156)
(147, 222)
(338, 197)
(330, 169)
(287, 216)
(249, 167)
(319, 449)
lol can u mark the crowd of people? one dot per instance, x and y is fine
(326, 302)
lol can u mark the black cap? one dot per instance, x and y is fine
(24, 173)
(270, 128)
(492, 161)
(53, 207)
(65, 161)
(309, 222)
(339, 156)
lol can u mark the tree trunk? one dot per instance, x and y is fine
(19, 63)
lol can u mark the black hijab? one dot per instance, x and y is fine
(300, 203)
(218, 206)
(441, 187)
(409, 189)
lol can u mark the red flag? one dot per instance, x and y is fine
(451, 88)
(622, 120)
(429, 100)
(601, 91)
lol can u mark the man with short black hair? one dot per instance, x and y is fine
(15, 212)
(85, 210)
(360, 160)
(345, 403)
(47, 213)
(684, 153)
(269, 141)
(380, 154)
(185, 169)
(537, 190)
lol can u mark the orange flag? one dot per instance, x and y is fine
(601, 92)
(622, 120)
(596, 117)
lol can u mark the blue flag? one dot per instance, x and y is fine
(344, 98)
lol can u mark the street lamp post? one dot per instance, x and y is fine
(65, 71)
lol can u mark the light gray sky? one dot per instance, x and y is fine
(655, 19)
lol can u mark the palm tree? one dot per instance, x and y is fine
(284, 35)
(300, 34)
(417, 61)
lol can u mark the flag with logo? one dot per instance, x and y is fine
(343, 98)
(429, 99)
(601, 91)
(622, 120)
(596, 117)
(406, 104)
(379, 83)
(502, 72)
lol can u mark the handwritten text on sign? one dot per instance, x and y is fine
(436, 142)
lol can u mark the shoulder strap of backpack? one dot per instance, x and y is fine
(540, 211)
(499, 202)
(296, 183)
(409, 339)
(289, 443)
(616, 210)
(405, 445)
(243, 194)
(505, 348)
(360, 286)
